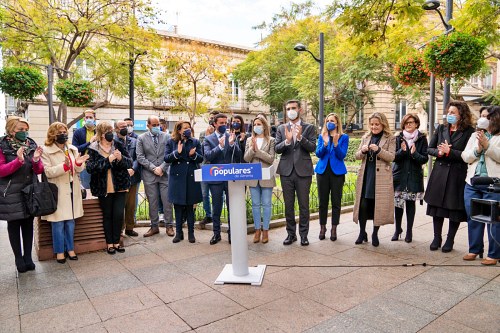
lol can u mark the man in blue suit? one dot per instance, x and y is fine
(82, 138)
(220, 148)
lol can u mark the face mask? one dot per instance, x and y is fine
(109, 136)
(155, 130)
(123, 131)
(236, 126)
(330, 126)
(22, 135)
(89, 122)
(61, 138)
(451, 119)
(258, 129)
(483, 123)
(292, 114)
(130, 129)
(187, 133)
(222, 129)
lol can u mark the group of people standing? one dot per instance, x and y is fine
(112, 160)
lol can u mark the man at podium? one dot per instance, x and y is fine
(220, 148)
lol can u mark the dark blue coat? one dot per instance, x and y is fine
(131, 145)
(80, 140)
(182, 189)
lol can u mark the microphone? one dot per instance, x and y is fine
(484, 180)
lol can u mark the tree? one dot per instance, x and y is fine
(102, 33)
(191, 74)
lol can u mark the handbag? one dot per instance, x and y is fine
(40, 197)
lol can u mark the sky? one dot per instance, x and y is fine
(228, 21)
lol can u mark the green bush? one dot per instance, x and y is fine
(22, 82)
(351, 150)
(74, 92)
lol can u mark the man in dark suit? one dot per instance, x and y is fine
(220, 148)
(295, 141)
(82, 138)
(130, 128)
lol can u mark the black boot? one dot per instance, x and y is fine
(322, 232)
(450, 239)
(28, 261)
(191, 238)
(178, 237)
(363, 236)
(438, 230)
(398, 214)
(21, 266)
(410, 217)
(375, 241)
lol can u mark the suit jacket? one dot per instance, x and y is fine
(130, 144)
(265, 155)
(296, 155)
(214, 155)
(150, 158)
(80, 139)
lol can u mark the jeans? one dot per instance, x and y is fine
(261, 200)
(205, 190)
(476, 229)
(62, 235)
(85, 179)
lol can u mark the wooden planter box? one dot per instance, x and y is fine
(89, 232)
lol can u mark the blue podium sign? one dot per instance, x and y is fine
(226, 172)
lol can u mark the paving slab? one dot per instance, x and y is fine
(244, 322)
(451, 280)
(172, 290)
(477, 314)
(343, 324)
(442, 325)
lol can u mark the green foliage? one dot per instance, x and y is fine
(457, 55)
(74, 92)
(352, 149)
(22, 82)
(411, 71)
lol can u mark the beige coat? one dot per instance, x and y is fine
(264, 155)
(53, 159)
(492, 157)
(384, 190)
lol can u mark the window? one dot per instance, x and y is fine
(400, 113)
(234, 88)
(488, 81)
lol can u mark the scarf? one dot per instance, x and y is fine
(410, 137)
(15, 144)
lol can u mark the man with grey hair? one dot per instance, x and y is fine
(150, 155)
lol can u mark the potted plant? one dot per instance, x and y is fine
(411, 71)
(74, 92)
(23, 83)
(457, 55)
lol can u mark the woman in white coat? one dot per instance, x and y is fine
(62, 165)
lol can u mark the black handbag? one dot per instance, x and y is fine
(40, 197)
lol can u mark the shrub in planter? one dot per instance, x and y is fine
(74, 92)
(457, 55)
(411, 71)
(22, 82)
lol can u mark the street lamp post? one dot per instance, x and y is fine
(131, 74)
(434, 5)
(321, 61)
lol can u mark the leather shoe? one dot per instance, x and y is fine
(170, 231)
(215, 239)
(152, 231)
(472, 256)
(290, 239)
(131, 233)
(489, 261)
(304, 241)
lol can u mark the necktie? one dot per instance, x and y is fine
(155, 141)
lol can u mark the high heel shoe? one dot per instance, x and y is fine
(333, 235)
(375, 241)
(61, 260)
(397, 235)
(322, 232)
(409, 236)
(472, 256)
(363, 237)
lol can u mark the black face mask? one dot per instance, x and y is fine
(61, 138)
(123, 132)
(109, 136)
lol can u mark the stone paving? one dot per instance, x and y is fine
(158, 286)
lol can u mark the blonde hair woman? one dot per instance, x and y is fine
(19, 160)
(260, 149)
(330, 172)
(374, 185)
(108, 166)
(62, 164)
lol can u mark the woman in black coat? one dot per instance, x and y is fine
(183, 151)
(108, 166)
(445, 188)
(408, 176)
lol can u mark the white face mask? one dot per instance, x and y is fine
(130, 129)
(258, 129)
(483, 123)
(292, 114)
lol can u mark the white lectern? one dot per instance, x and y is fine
(236, 175)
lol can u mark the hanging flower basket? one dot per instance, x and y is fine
(457, 55)
(24, 83)
(411, 71)
(74, 92)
